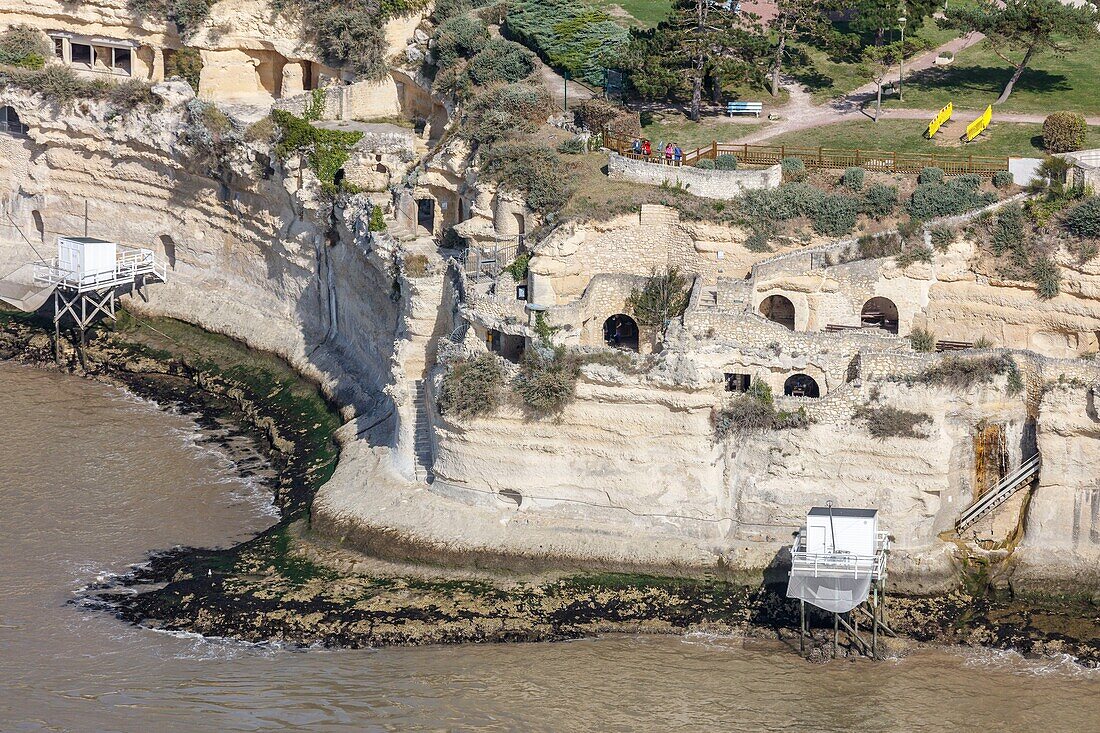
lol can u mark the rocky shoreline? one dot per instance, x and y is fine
(287, 586)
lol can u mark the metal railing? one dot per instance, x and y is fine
(840, 563)
(488, 261)
(129, 264)
(887, 161)
(1000, 493)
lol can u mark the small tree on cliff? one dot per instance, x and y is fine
(662, 298)
(1019, 29)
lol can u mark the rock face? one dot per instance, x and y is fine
(630, 475)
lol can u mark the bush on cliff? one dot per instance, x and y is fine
(835, 214)
(921, 339)
(663, 297)
(755, 412)
(325, 151)
(505, 111)
(547, 379)
(597, 115)
(880, 200)
(891, 422)
(1084, 219)
(188, 15)
(459, 38)
(532, 169)
(472, 387)
(22, 45)
(957, 372)
(957, 196)
(184, 64)
(501, 62)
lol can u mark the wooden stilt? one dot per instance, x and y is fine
(802, 626)
(836, 633)
(874, 622)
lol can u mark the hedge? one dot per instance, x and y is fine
(1064, 132)
(569, 35)
(501, 62)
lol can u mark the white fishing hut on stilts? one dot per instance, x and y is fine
(87, 275)
(838, 564)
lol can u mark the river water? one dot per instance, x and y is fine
(92, 478)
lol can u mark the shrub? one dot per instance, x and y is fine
(931, 175)
(260, 131)
(853, 178)
(501, 62)
(705, 164)
(757, 241)
(793, 169)
(880, 200)
(547, 379)
(922, 339)
(377, 222)
(532, 169)
(1002, 179)
(596, 115)
(572, 146)
(518, 268)
(934, 200)
(663, 297)
(416, 265)
(472, 387)
(503, 111)
(835, 214)
(754, 412)
(1064, 132)
(1046, 276)
(569, 35)
(942, 237)
(1008, 230)
(58, 84)
(126, 96)
(883, 245)
(912, 254)
(968, 181)
(184, 64)
(460, 37)
(891, 422)
(326, 151)
(956, 372)
(726, 162)
(24, 46)
(1084, 219)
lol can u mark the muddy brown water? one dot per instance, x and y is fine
(92, 478)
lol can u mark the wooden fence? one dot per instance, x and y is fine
(829, 158)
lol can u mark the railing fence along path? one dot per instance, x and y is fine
(822, 157)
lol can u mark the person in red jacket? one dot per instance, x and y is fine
(646, 148)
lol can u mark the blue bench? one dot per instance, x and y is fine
(733, 108)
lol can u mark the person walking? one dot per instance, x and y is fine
(677, 154)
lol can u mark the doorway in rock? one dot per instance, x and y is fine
(621, 331)
(881, 313)
(801, 385)
(425, 214)
(778, 308)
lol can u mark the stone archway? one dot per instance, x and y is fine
(879, 312)
(801, 385)
(621, 331)
(779, 309)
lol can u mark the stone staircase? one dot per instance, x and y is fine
(422, 434)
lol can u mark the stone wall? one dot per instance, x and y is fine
(713, 184)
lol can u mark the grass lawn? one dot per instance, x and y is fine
(905, 136)
(646, 13)
(691, 135)
(976, 78)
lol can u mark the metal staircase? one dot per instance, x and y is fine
(422, 434)
(1000, 493)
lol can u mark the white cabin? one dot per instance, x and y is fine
(833, 530)
(85, 259)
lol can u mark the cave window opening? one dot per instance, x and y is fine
(10, 122)
(778, 309)
(801, 385)
(736, 382)
(880, 313)
(621, 332)
(425, 213)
